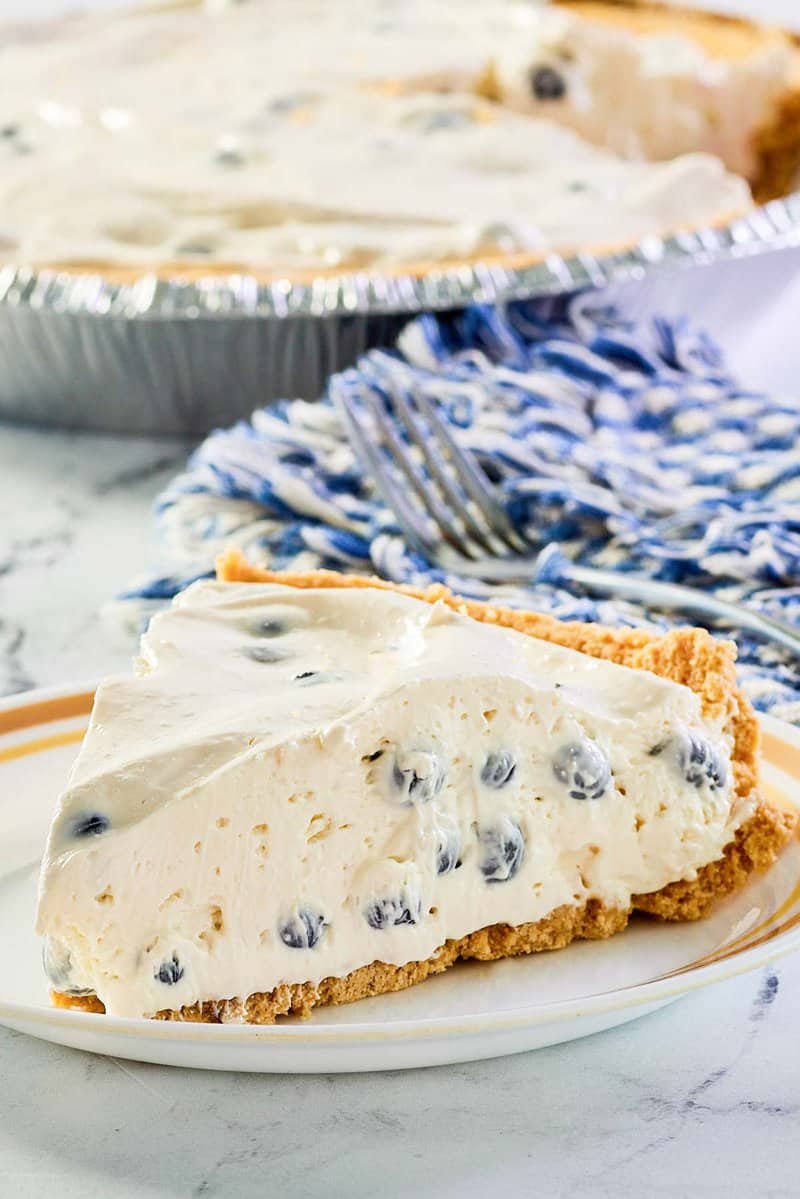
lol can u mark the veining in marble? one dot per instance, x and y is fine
(74, 528)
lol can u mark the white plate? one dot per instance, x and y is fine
(473, 1011)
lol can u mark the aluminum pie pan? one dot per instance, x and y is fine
(159, 355)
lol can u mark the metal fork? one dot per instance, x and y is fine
(449, 512)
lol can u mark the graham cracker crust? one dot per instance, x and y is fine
(689, 656)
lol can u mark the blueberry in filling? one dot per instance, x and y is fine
(194, 248)
(703, 765)
(170, 971)
(264, 653)
(498, 769)
(392, 910)
(269, 628)
(303, 929)
(90, 824)
(306, 674)
(448, 852)
(292, 102)
(57, 962)
(433, 122)
(547, 83)
(229, 156)
(583, 768)
(502, 850)
(698, 762)
(418, 775)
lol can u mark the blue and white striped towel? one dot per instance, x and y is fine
(615, 444)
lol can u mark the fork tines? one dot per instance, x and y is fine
(436, 489)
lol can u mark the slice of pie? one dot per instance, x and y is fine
(316, 788)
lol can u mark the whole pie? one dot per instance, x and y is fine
(316, 788)
(295, 138)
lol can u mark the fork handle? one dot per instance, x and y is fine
(669, 596)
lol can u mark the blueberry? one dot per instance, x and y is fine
(9, 131)
(57, 962)
(583, 768)
(228, 155)
(698, 762)
(194, 248)
(498, 769)
(170, 971)
(547, 83)
(264, 653)
(434, 122)
(392, 911)
(502, 847)
(418, 775)
(292, 102)
(306, 674)
(448, 851)
(269, 628)
(303, 929)
(703, 765)
(90, 824)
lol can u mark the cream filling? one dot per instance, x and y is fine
(299, 133)
(298, 783)
(654, 97)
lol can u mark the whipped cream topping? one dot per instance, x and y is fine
(300, 134)
(297, 783)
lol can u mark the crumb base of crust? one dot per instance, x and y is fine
(688, 656)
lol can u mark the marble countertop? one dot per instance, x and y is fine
(700, 1099)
